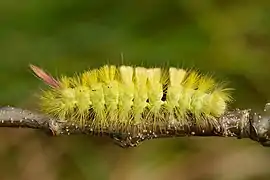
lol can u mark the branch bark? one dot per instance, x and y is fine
(236, 123)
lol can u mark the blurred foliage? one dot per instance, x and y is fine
(228, 38)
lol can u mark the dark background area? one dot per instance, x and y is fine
(228, 38)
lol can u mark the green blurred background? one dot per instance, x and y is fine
(228, 38)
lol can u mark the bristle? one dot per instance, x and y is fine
(155, 90)
(107, 73)
(205, 85)
(89, 78)
(140, 93)
(118, 97)
(98, 104)
(126, 94)
(175, 92)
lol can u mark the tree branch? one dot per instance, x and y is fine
(236, 123)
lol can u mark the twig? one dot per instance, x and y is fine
(237, 123)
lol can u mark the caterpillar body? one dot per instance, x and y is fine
(121, 97)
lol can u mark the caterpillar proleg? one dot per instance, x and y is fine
(120, 97)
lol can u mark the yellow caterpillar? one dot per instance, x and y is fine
(124, 96)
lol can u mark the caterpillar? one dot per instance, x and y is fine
(121, 97)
